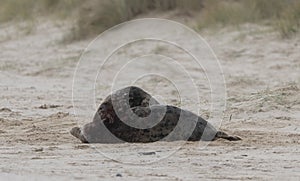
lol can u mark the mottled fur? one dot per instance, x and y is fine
(160, 122)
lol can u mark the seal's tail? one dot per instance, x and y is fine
(221, 134)
(77, 133)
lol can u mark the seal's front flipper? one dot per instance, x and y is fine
(221, 134)
(78, 134)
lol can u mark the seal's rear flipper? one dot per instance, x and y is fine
(221, 134)
(77, 133)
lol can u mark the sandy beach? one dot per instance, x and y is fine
(262, 76)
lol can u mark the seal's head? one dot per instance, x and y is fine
(106, 111)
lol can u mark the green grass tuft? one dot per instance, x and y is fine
(289, 22)
(95, 16)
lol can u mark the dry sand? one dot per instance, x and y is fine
(262, 75)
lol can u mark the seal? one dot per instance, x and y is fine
(173, 124)
(160, 122)
(123, 99)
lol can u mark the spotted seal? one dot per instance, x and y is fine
(131, 96)
(161, 123)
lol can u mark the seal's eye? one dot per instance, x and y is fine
(102, 107)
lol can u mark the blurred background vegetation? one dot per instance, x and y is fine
(92, 17)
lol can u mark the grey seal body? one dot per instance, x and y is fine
(114, 123)
(173, 124)
(122, 100)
